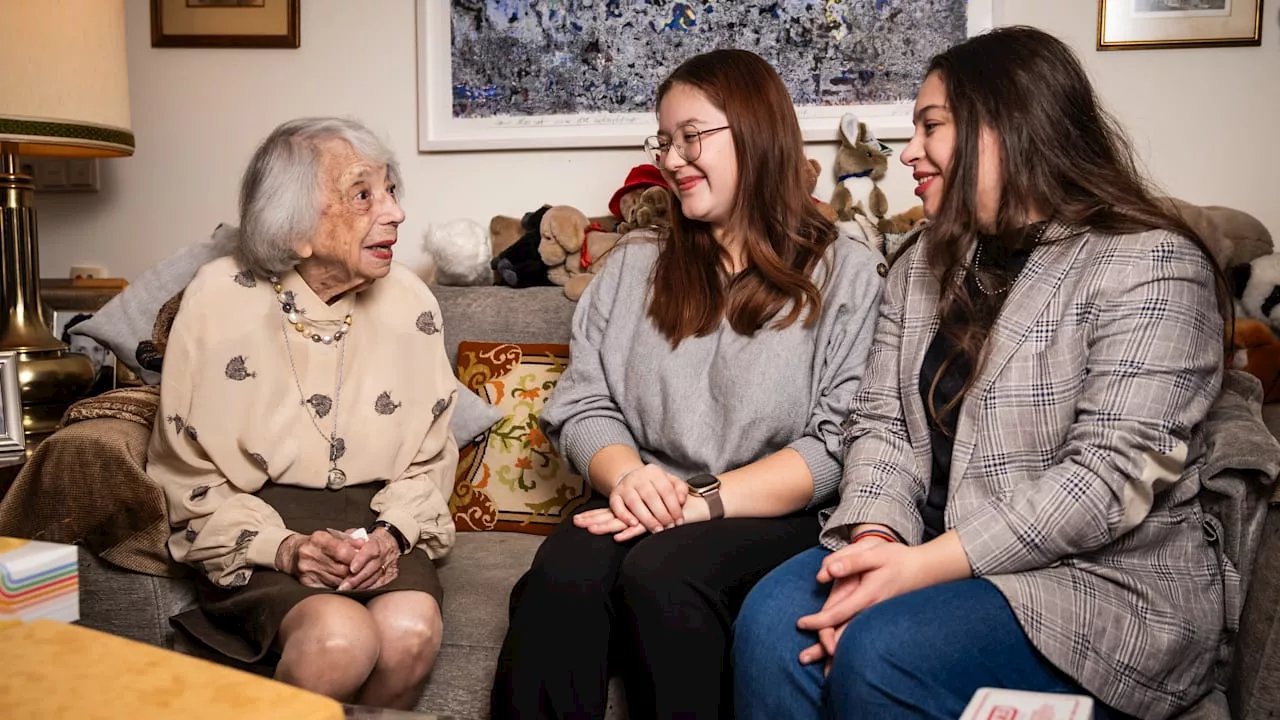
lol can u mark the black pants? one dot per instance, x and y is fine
(661, 606)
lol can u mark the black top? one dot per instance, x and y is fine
(942, 431)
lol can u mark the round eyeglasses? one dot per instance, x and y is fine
(687, 141)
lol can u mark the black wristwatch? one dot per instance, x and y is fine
(402, 542)
(707, 487)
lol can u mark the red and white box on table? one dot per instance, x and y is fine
(999, 704)
(38, 580)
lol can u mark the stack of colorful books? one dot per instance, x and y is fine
(38, 580)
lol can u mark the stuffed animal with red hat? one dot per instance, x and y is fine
(644, 200)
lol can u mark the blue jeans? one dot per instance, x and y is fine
(920, 655)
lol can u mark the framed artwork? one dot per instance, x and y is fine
(68, 303)
(225, 23)
(1157, 24)
(12, 439)
(498, 75)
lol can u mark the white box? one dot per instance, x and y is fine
(999, 704)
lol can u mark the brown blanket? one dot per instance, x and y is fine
(87, 485)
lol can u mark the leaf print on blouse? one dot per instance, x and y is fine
(292, 302)
(427, 323)
(441, 405)
(191, 433)
(237, 370)
(245, 278)
(262, 462)
(337, 449)
(383, 405)
(322, 404)
(199, 492)
(178, 423)
(190, 533)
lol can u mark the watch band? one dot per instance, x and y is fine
(715, 503)
(402, 542)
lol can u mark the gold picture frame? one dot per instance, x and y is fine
(225, 23)
(1165, 24)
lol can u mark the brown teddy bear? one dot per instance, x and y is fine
(812, 169)
(1257, 352)
(645, 207)
(574, 248)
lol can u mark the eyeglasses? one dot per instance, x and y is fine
(687, 141)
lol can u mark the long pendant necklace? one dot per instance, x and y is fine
(336, 478)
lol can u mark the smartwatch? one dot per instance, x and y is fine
(707, 487)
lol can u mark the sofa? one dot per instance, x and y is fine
(478, 574)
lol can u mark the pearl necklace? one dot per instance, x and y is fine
(977, 262)
(296, 315)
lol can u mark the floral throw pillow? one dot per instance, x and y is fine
(510, 478)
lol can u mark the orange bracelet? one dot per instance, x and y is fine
(875, 533)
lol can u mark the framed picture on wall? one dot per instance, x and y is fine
(500, 75)
(12, 439)
(1158, 24)
(225, 23)
(68, 303)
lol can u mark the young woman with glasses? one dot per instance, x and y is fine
(711, 368)
(1019, 507)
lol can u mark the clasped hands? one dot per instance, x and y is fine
(862, 574)
(646, 499)
(326, 560)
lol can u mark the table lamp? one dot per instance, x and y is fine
(64, 91)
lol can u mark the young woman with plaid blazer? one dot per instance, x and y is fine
(1019, 501)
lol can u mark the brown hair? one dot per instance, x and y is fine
(1060, 153)
(783, 234)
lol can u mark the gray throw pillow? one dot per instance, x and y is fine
(128, 319)
(472, 416)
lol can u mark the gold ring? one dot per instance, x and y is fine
(383, 570)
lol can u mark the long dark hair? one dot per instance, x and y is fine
(783, 234)
(1060, 153)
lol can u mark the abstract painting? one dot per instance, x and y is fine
(513, 73)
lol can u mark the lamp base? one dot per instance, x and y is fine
(50, 377)
(51, 380)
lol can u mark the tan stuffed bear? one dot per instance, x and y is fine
(1233, 236)
(573, 248)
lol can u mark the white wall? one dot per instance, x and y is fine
(1204, 120)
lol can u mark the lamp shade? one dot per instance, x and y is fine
(64, 80)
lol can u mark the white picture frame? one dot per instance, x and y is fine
(439, 131)
(12, 436)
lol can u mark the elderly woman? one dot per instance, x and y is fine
(306, 402)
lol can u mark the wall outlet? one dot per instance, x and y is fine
(58, 174)
(88, 272)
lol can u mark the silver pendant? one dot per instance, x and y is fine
(337, 479)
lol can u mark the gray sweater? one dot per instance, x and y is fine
(721, 401)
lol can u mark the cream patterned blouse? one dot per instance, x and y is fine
(236, 412)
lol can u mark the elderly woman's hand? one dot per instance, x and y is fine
(317, 560)
(375, 564)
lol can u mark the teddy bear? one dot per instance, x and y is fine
(518, 264)
(812, 170)
(574, 248)
(645, 207)
(461, 252)
(1234, 237)
(860, 165)
(1257, 352)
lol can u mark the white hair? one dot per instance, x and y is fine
(280, 195)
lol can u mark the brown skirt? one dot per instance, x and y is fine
(242, 623)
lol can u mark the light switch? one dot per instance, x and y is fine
(51, 173)
(82, 173)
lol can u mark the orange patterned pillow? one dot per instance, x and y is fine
(511, 478)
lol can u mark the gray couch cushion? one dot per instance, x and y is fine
(503, 314)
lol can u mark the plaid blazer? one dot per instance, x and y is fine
(1077, 457)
